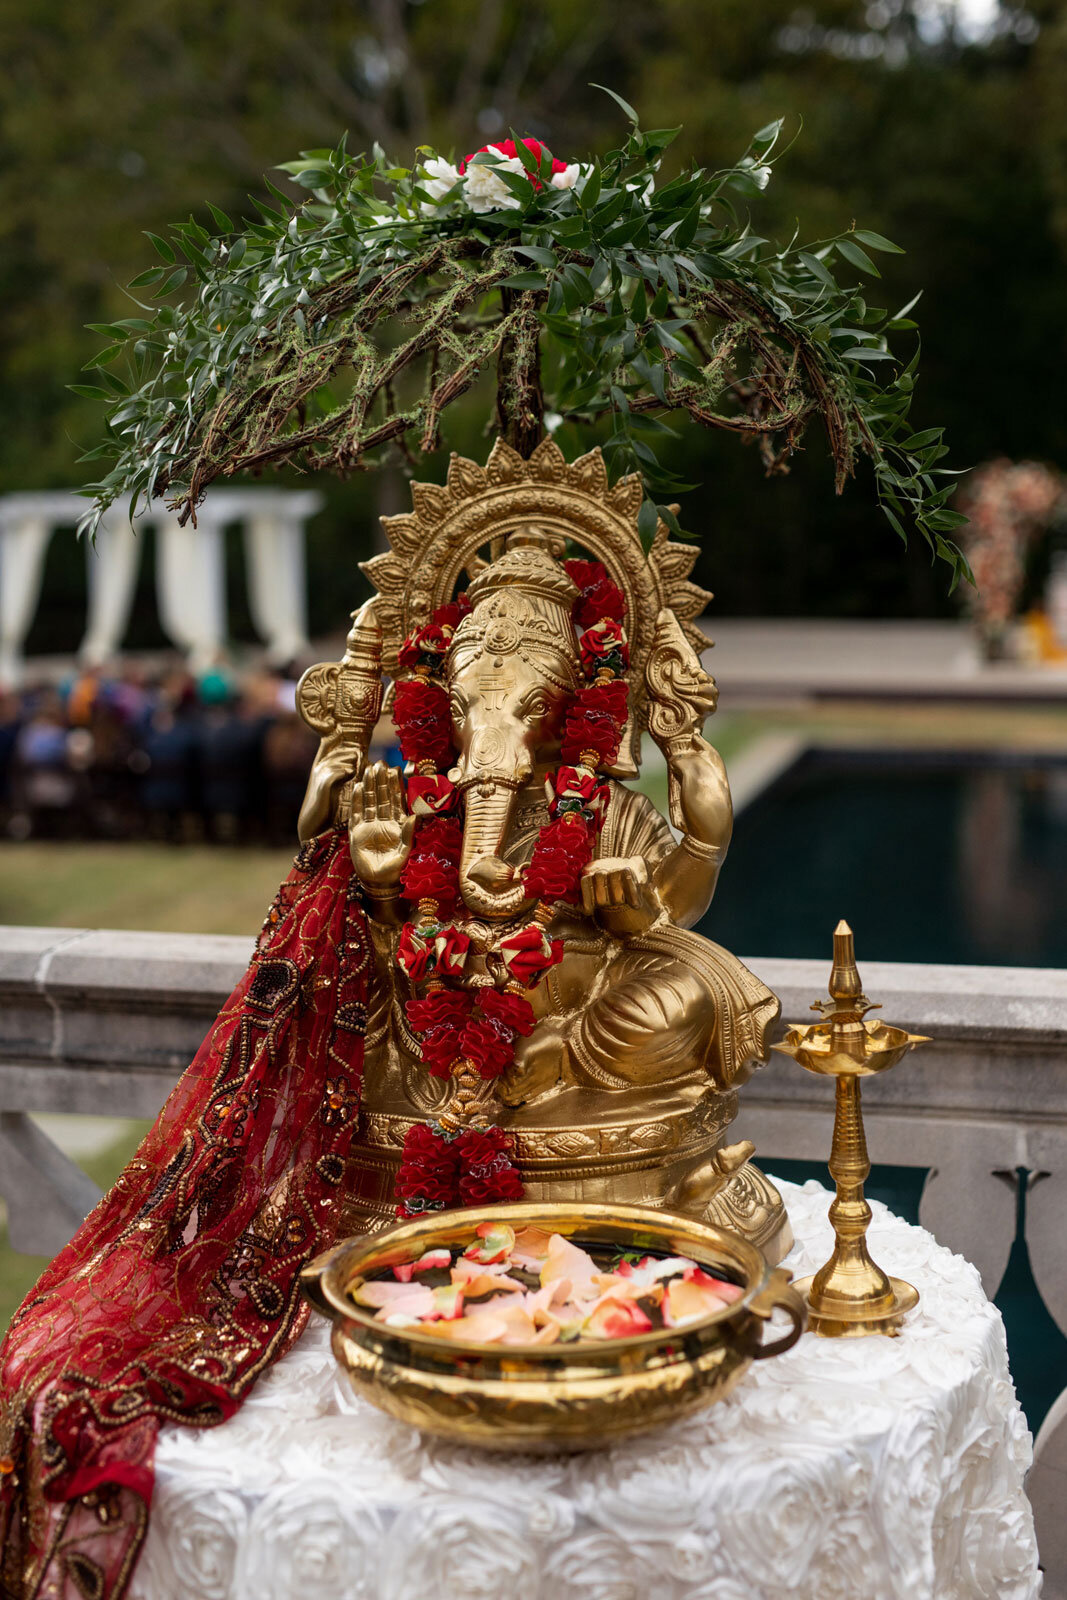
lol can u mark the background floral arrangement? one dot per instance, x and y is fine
(1007, 504)
(599, 294)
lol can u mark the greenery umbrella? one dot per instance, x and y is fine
(334, 328)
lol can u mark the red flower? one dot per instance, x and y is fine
(412, 953)
(563, 850)
(438, 1010)
(487, 1173)
(431, 872)
(514, 1010)
(427, 876)
(595, 721)
(507, 148)
(430, 797)
(489, 1045)
(450, 951)
(423, 722)
(442, 835)
(426, 646)
(529, 954)
(571, 788)
(452, 615)
(428, 1168)
(597, 596)
(438, 1019)
(602, 643)
(440, 1051)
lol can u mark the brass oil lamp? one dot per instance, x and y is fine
(850, 1296)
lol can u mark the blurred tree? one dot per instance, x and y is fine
(119, 118)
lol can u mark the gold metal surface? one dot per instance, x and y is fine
(552, 1397)
(627, 1086)
(850, 1296)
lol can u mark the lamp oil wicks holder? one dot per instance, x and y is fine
(850, 1296)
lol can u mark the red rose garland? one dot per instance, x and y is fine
(472, 1035)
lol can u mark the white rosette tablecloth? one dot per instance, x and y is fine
(866, 1469)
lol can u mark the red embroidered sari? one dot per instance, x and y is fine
(182, 1285)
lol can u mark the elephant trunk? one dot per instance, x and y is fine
(486, 882)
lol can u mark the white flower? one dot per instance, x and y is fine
(437, 177)
(315, 1537)
(644, 190)
(568, 177)
(196, 1531)
(485, 191)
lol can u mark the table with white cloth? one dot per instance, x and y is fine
(847, 1469)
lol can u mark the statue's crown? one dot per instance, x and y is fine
(522, 601)
(529, 565)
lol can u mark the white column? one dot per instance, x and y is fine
(112, 571)
(191, 585)
(24, 540)
(276, 565)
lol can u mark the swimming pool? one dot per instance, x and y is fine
(931, 856)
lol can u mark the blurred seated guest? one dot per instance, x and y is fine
(10, 723)
(44, 783)
(83, 697)
(129, 693)
(112, 802)
(288, 750)
(167, 762)
(215, 687)
(230, 743)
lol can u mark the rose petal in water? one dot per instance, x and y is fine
(616, 1319)
(688, 1302)
(531, 1248)
(414, 1298)
(726, 1291)
(495, 1243)
(567, 1260)
(652, 1268)
(427, 1262)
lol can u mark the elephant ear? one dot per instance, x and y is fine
(454, 527)
(341, 701)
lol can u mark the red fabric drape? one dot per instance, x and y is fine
(182, 1285)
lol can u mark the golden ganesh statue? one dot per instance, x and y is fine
(623, 1084)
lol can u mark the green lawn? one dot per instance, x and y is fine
(173, 888)
(19, 1273)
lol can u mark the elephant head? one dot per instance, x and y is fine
(511, 671)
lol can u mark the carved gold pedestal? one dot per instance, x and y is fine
(685, 1170)
(850, 1296)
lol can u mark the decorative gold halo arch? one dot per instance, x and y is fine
(441, 537)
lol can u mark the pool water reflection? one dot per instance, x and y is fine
(931, 857)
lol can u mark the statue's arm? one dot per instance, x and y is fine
(681, 696)
(341, 702)
(685, 879)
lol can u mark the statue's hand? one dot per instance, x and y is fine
(699, 791)
(380, 832)
(540, 1064)
(618, 891)
(681, 697)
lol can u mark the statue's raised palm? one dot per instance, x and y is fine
(380, 831)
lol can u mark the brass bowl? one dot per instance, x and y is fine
(551, 1397)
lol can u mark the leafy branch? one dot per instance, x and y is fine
(329, 329)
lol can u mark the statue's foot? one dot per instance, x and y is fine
(727, 1191)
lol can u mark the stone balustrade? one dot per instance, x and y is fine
(102, 1023)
